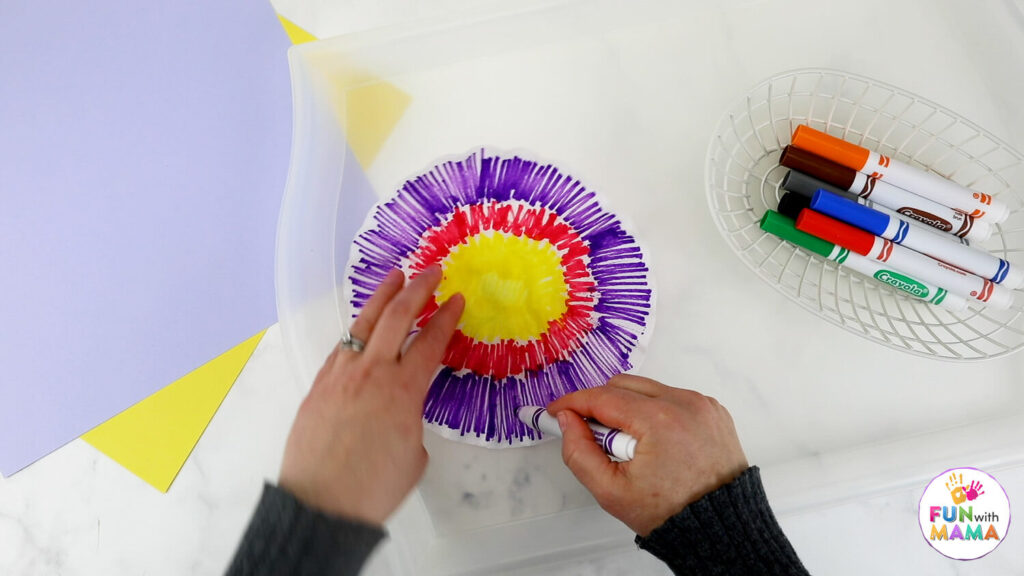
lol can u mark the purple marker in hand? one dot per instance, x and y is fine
(613, 441)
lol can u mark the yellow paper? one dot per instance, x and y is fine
(369, 111)
(296, 34)
(372, 111)
(153, 438)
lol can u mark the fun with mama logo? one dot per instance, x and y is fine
(964, 513)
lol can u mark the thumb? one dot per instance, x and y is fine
(583, 456)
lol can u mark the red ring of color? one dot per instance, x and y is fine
(563, 336)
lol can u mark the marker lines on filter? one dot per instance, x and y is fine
(557, 295)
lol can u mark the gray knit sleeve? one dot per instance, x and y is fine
(286, 537)
(731, 531)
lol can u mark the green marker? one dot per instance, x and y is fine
(783, 227)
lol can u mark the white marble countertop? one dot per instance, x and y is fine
(77, 513)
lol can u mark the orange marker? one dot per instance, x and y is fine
(925, 184)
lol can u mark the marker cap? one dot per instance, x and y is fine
(783, 227)
(1014, 277)
(834, 231)
(830, 147)
(805, 185)
(791, 204)
(818, 167)
(998, 211)
(850, 212)
(1002, 298)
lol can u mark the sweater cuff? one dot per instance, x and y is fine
(287, 537)
(731, 530)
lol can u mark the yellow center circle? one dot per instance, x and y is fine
(514, 286)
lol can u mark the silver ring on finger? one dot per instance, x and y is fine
(349, 342)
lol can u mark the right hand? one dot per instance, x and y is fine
(686, 447)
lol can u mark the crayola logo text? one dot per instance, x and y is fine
(927, 218)
(901, 282)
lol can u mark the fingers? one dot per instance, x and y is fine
(428, 347)
(368, 316)
(638, 384)
(584, 457)
(397, 319)
(654, 389)
(610, 406)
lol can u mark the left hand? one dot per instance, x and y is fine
(356, 448)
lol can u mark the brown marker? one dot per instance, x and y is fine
(884, 194)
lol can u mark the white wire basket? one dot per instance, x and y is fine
(743, 177)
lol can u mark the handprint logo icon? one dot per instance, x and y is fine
(974, 491)
(964, 513)
(955, 487)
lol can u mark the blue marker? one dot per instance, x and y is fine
(938, 246)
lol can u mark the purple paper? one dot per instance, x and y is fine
(143, 152)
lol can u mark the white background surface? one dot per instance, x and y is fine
(77, 512)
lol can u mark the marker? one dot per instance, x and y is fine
(905, 260)
(784, 227)
(791, 205)
(612, 441)
(804, 185)
(926, 242)
(883, 168)
(910, 205)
